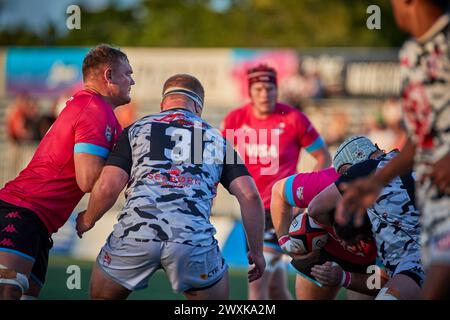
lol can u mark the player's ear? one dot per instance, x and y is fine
(107, 75)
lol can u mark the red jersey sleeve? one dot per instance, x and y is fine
(308, 137)
(93, 133)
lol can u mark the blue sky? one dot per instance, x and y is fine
(36, 14)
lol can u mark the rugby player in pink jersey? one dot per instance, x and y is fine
(269, 137)
(64, 167)
(297, 191)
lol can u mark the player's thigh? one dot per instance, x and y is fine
(307, 290)
(20, 235)
(278, 287)
(259, 289)
(102, 287)
(191, 268)
(437, 283)
(400, 287)
(219, 291)
(40, 266)
(354, 295)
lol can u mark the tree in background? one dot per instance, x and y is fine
(240, 23)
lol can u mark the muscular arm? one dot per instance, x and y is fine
(323, 203)
(252, 211)
(398, 166)
(323, 158)
(280, 209)
(111, 182)
(87, 170)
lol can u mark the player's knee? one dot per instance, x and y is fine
(12, 283)
(9, 292)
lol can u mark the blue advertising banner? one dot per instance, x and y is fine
(44, 71)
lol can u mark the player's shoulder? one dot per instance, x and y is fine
(283, 107)
(87, 101)
(238, 113)
(290, 111)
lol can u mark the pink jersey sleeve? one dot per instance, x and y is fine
(308, 136)
(93, 134)
(301, 188)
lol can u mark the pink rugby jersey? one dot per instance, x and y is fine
(279, 139)
(47, 186)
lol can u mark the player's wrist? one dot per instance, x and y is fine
(89, 221)
(283, 240)
(346, 279)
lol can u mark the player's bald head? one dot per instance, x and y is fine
(185, 81)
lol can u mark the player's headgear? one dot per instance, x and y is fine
(186, 85)
(261, 73)
(186, 92)
(353, 150)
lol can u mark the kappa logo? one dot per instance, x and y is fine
(14, 215)
(10, 229)
(7, 242)
(108, 133)
(299, 193)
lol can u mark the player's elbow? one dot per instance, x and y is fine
(277, 188)
(313, 210)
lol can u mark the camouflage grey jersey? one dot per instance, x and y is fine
(175, 161)
(394, 218)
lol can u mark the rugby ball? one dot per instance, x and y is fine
(306, 234)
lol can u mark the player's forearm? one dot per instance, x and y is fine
(320, 206)
(252, 212)
(399, 165)
(101, 200)
(323, 159)
(359, 283)
(280, 211)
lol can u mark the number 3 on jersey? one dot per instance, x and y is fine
(181, 152)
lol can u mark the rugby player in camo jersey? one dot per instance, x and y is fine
(171, 163)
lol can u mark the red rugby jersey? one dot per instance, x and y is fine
(279, 139)
(47, 186)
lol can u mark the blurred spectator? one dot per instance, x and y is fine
(21, 119)
(336, 130)
(305, 85)
(387, 129)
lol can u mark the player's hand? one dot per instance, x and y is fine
(289, 247)
(83, 224)
(358, 196)
(329, 274)
(259, 266)
(439, 173)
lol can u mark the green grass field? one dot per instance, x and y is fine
(159, 289)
